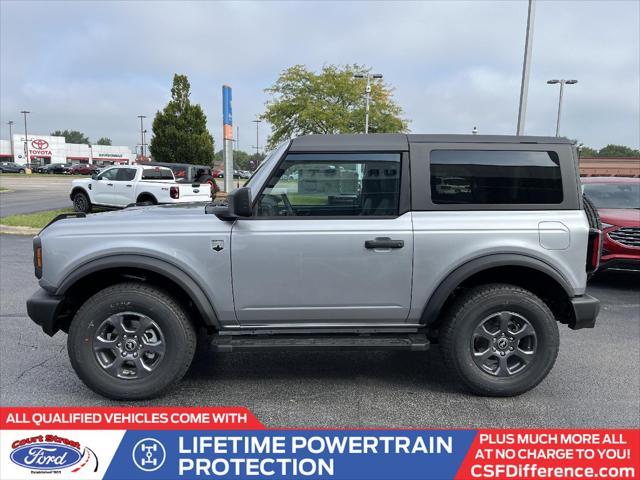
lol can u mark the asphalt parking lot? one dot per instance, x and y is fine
(33, 193)
(595, 383)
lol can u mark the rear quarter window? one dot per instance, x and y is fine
(495, 177)
(157, 174)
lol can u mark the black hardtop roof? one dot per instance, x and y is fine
(401, 141)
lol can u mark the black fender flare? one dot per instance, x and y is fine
(75, 190)
(153, 264)
(436, 301)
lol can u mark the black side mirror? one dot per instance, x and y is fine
(94, 176)
(238, 205)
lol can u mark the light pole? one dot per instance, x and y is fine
(26, 148)
(526, 65)
(144, 143)
(142, 117)
(562, 83)
(13, 157)
(257, 122)
(367, 95)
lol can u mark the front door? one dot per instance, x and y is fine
(103, 187)
(328, 244)
(123, 191)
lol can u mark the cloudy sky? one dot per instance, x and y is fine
(94, 66)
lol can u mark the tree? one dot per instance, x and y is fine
(588, 152)
(242, 160)
(72, 136)
(180, 132)
(331, 101)
(104, 141)
(618, 151)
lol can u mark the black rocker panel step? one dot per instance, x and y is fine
(228, 343)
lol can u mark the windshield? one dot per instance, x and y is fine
(613, 195)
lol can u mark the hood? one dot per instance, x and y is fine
(157, 219)
(621, 217)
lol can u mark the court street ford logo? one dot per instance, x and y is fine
(36, 454)
(40, 144)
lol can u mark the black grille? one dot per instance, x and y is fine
(626, 236)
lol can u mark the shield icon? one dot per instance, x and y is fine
(217, 245)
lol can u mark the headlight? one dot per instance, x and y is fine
(606, 225)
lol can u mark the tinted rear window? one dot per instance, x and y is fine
(157, 174)
(495, 177)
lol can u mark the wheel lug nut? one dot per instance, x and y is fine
(135, 355)
(119, 345)
(502, 353)
(510, 348)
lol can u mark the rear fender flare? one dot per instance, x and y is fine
(431, 311)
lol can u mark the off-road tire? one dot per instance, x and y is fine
(468, 312)
(81, 203)
(178, 331)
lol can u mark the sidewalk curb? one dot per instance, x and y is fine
(11, 230)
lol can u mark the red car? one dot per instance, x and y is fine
(83, 169)
(618, 202)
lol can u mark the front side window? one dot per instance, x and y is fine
(110, 174)
(333, 185)
(495, 177)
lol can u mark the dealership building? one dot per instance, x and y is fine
(46, 149)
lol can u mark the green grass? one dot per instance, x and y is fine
(34, 220)
(3, 189)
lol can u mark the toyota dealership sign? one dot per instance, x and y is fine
(40, 146)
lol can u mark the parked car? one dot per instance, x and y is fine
(119, 186)
(364, 253)
(188, 173)
(83, 169)
(11, 167)
(618, 202)
(58, 168)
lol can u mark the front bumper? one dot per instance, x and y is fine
(45, 309)
(585, 311)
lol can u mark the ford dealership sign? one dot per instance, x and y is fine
(46, 456)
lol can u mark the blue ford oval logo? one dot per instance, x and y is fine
(45, 456)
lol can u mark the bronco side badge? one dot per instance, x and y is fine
(217, 245)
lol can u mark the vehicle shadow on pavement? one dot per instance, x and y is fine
(423, 371)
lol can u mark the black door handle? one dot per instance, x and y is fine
(109, 184)
(383, 242)
(129, 185)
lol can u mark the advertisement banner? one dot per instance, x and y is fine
(229, 442)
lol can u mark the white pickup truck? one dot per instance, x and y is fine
(120, 186)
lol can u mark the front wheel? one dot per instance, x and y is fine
(81, 203)
(131, 341)
(500, 340)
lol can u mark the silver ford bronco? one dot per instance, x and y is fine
(480, 244)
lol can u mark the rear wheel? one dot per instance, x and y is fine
(81, 203)
(500, 340)
(147, 200)
(131, 341)
(21, 170)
